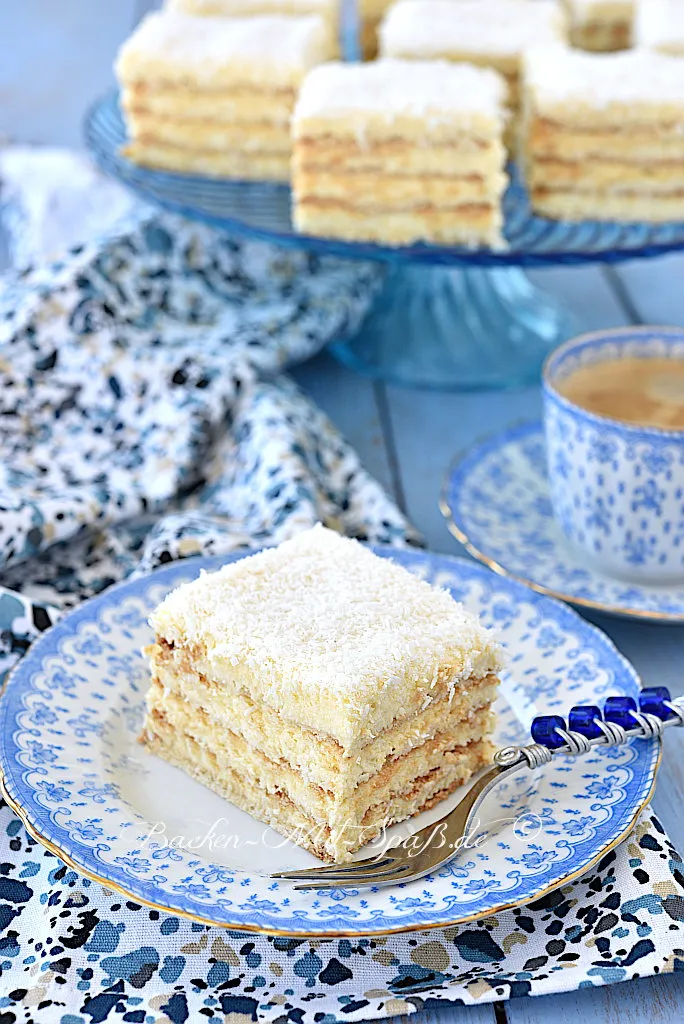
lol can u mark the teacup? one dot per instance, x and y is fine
(617, 489)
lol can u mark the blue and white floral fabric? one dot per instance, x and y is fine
(144, 419)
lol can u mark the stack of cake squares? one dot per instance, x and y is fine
(214, 95)
(400, 151)
(659, 25)
(601, 25)
(604, 135)
(489, 33)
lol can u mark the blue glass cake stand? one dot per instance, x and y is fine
(448, 318)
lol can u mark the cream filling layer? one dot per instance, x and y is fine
(246, 104)
(603, 205)
(377, 191)
(614, 175)
(269, 137)
(255, 166)
(400, 157)
(470, 225)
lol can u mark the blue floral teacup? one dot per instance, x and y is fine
(617, 489)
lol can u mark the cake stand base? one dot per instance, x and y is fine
(457, 329)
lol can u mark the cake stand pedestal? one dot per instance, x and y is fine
(457, 329)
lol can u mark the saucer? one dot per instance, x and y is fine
(496, 502)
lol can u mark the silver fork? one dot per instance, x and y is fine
(431, 847)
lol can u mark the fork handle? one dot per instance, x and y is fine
(620, 720)
(588, 726)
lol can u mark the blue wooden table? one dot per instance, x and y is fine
(55, 59)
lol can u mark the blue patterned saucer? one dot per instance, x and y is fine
(73, 770)
(496, 502)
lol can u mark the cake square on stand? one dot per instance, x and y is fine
(489, 33)
(604, 134)
(214, 95)
(400, 151)
(321, 688)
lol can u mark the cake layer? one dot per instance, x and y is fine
(584, 90)
(206, 136)
(613, 175)
(334, 808)
(464, 156)
(575, 205)
(470, 226)
(377, 191)
(257, 166)
(243, 104)
(277, 810)
(196, 53)
(319, 758)
(426, 102)
(487, 32)
(544, 138)
(364, 643)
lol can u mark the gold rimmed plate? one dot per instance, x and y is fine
(74, 771)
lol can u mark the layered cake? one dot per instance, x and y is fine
(327, 9)
(214, 95)
(601, 25)
(324, 690)
(659, 25)
(490, 33)
(604, 135)
(400, 151)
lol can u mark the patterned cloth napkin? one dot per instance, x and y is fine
(144, 418)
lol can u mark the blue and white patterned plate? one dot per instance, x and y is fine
(73, 769)
(496, 502)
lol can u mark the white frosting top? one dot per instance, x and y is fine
(503, 28)
(322, 618)
(430, 91)
(659, 23)
(559, 76)
(209, 51)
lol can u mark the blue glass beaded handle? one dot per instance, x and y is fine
(620, 720)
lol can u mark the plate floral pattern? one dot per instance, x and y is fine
(71, 713)
(496, 501)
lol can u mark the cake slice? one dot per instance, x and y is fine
(214, 95)
(400, 151)
(489, 33)
(601, 25)
(603, 134)
(321, 688)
